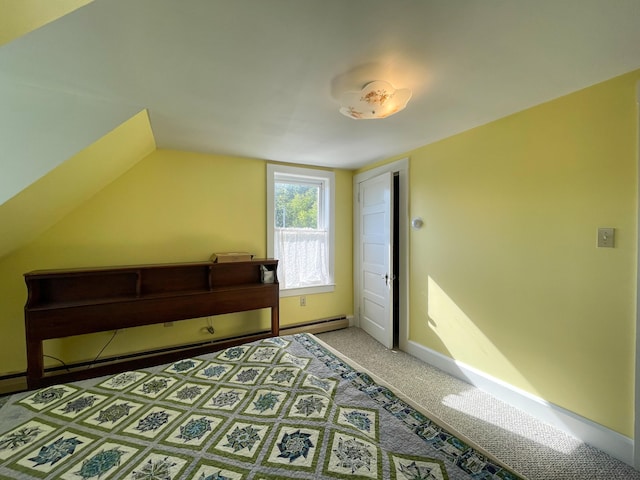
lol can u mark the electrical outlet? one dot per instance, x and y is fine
(303, 301)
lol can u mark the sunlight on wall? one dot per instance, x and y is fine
(461, 336)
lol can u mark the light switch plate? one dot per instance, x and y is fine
(606, 237)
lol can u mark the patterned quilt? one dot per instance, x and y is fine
(284, 407)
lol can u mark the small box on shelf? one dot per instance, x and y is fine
(226, 257)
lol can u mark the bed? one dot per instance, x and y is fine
(273, 408)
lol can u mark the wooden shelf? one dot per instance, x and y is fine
(62, 303)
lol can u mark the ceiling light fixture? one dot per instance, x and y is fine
(377, 99)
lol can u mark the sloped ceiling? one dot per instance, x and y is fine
(47, 200)
(260, 78)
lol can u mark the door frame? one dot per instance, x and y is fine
(636, 436)
(402, 168)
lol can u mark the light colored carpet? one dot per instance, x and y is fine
(530, 447)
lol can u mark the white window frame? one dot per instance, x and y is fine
(327, 178)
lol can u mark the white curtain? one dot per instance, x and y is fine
(303, 257)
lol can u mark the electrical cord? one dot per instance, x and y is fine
(209, 328)
(58, 360)
(103, 348)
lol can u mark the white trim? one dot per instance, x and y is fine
(402, 167)
(636, 449)
(327, 176)
(293, 292)
(607, 440)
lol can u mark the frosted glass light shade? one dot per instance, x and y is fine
(376, 100)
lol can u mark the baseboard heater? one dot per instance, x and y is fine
(17, 382)
(316, 326)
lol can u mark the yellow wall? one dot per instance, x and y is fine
(170, 207)
(50, 198)
(505, 275)
(18, 17)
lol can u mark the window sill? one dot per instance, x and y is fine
(293, 292)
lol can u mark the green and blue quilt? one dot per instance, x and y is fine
(284, 407)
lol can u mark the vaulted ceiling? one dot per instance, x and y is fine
(261, 78)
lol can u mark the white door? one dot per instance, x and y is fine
(376, 312)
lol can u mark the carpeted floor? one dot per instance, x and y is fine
(532, 448)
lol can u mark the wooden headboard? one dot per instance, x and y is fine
(63, 303)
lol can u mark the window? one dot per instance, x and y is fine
(300, 211)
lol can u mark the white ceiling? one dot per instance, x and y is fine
(260, 78)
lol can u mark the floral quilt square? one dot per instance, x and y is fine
(226, 398)
(300, 362)
(194, 431)
(296, 448)
(189, 393)
(183, 366)
(103, 462)
(78, 405)
(264, 354)
(113, 414)
(326, 385)
(242, 439)
(58, 450)
(23, 436)
(248, 375)
(364, 420)
(214, 371)
(152, 422)
(233, 354)
(159, 465)
(312, 406)
(351, 455)
(48, 397)
(155, 386)
(123, 381)
(409, 467)
(283, 376)
(266, 403)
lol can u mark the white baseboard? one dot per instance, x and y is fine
(594, 434)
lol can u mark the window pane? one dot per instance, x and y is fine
(296, 205)
(300, 225)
